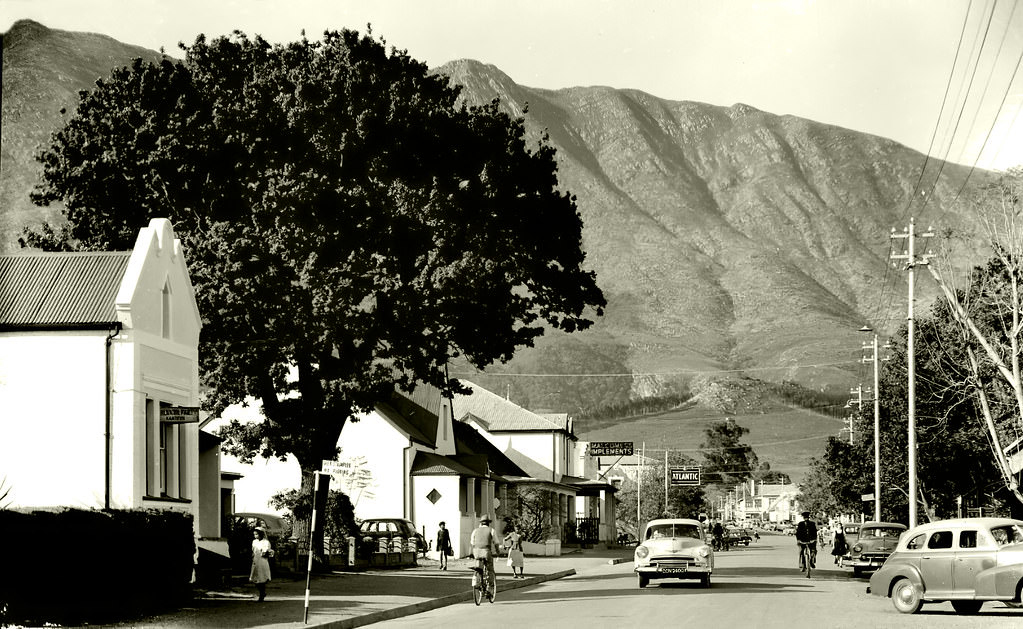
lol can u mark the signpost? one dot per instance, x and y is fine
(685, 476)
(611, 448)
(179, 414)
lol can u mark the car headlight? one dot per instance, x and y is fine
(858, 548)
(703, 551)
(642, 552)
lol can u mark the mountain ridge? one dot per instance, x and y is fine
(726, 238)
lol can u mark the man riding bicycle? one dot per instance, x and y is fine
(484, 546)
(806, 535)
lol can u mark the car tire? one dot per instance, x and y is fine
(857, 572)
(643, 581)
(705, 580)
(906, 597)
(967, 607)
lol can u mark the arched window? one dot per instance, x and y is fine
(165, 295)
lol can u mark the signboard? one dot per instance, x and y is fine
(610, 448)
(866, 497)
(336, 468)
(684, 476)
(179, 414)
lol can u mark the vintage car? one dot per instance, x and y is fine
(966, 561)
(738, 536)
(674, 549)
(874, 542)
(393, 534)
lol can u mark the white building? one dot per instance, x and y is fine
(92, 347)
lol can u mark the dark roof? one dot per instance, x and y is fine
(430, 464)
(497, 414)
(469, 441)
(60, 290)
(415, 413)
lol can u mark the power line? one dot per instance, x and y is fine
(632, 374)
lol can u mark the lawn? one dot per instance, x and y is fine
(787, 438)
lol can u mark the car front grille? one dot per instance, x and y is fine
(672, 561)
(874, 556)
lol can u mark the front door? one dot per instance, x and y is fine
(936, 565)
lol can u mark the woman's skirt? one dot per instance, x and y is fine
(515, 558)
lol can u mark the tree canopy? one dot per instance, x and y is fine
(349, 225)
(728, 460)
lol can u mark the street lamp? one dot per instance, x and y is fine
(877, 426)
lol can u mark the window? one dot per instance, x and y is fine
(165, 302)
(940, 540)
(916, 543)
(166, 455)
(968, 539)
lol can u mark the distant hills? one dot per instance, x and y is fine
(727, 239)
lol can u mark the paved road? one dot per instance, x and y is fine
(753, 588)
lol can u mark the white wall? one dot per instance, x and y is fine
(374, 439)
(52, 418)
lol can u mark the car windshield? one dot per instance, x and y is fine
(659, 531)
(1008, 534)
(881, 531)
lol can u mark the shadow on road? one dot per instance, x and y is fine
(777, 571)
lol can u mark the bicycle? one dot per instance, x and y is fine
(483, 582)
(806, 560)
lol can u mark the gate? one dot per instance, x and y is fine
(587, 530)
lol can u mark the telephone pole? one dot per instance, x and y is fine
(877, 422)
(909, 255)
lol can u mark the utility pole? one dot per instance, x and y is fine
(874, 358)
(858, 401)
(909, 255)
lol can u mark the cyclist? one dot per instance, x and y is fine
(806, 535)
(484, 546)
(718, 532)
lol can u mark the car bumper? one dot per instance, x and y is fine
(691, 571)
(865, 564)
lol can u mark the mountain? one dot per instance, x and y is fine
(43, 71)
(726, 239)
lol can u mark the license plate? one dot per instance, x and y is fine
(674, 570)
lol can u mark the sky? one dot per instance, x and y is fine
(940, 76)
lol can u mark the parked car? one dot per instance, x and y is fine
(788, 529)
(966, 561)
(276, 527)
(392, 529)
(874, 542)
(674, 549)
(738, 536)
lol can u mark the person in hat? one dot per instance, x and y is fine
(516, 560)
(261, 553)
(806, 535)
(484, 546)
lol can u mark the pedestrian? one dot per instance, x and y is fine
(840, 547)
(261, 553)
(516, 560)
(444, 546)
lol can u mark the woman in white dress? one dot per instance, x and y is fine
(261, 553)
(513, 542)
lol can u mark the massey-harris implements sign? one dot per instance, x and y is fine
(610, 448)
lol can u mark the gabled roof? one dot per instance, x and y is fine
(497, 414)
(430, 464)
(60, 290)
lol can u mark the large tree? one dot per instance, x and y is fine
(349, 225)
(728, 460)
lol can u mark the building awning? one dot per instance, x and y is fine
(430, 464)
(587, 486)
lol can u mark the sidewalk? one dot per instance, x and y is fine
(341, 600)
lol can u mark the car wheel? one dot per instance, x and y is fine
(857, 572)
(967, 607)
(705, 580)
(906, 597)
(643, 580)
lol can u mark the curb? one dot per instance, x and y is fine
(436, 603)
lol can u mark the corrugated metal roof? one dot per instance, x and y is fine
(60, 289)
(500, 414)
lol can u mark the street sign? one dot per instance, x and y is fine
(179, 414)
(610, 448)
(335, 468)
(684, 476)
(866, 497)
